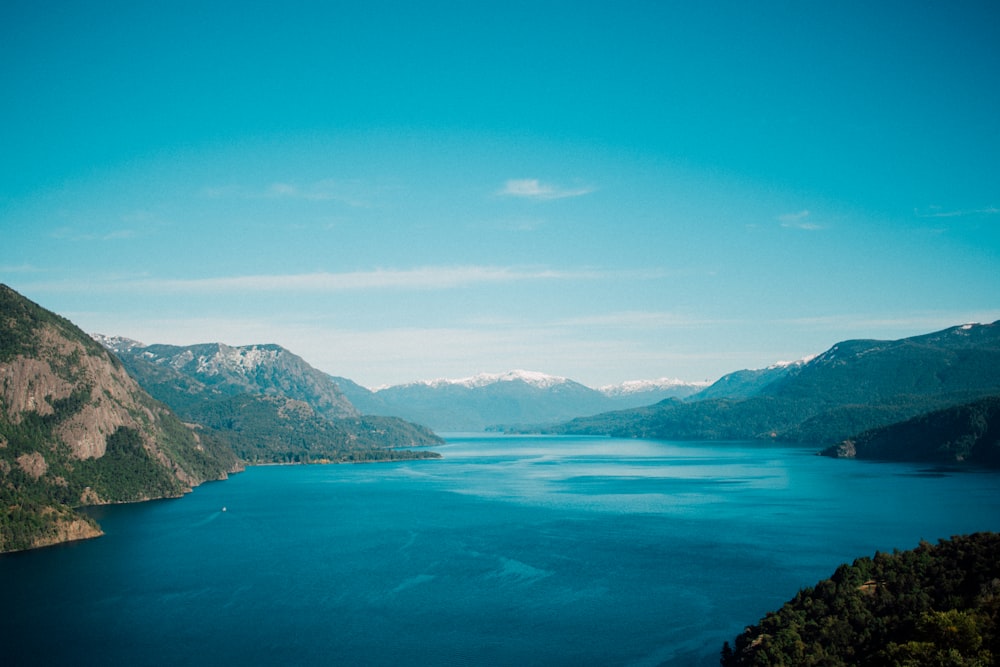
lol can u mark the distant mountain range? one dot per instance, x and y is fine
(514, 398)
(853, 387)
(81, 426)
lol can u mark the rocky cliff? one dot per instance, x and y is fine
(76, 429)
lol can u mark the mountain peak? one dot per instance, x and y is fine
(642, 386)
(791, 364)
(117, 344)
(533, 378)
(260, 369)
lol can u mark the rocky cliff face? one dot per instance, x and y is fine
(61, 369)
(76, 429)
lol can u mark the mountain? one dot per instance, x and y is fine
(747, 383)
(268, 404)
(969, 432)
(634, 393)
(514, 398)
(933, 605)
(482, 401)
(76, 429)
(852, 387)
(364, 399)
(268, 370)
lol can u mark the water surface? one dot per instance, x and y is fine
(509, 551)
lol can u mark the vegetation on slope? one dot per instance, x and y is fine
(934, 605)
(853, 387)
(274, 428)
(268, 370)
(75, 429)
(969, 432)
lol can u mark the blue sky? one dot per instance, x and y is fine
(604, 191)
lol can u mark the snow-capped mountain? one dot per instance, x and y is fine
(532, 378)
(481, 401)
(117, 344)
(251, 369)
(512, 398)
(652, 391)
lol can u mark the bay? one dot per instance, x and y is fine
(511, 550)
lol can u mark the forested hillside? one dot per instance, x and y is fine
(934, 605)
(969, 432)
(853, 387)
(76, 429)
(241, 402)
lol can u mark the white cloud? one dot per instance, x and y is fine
(352, 193)
(283, 190)
(892, 326)
(73, 234)
(939, 212)
(422, 278)
(532, 188)
(798, 220)
(637, 320)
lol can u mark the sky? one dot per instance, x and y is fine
(605, 191)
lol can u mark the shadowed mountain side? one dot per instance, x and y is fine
(969, 432)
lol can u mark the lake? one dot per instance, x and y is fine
(512, 550)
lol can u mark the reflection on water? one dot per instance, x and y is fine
(510, 550)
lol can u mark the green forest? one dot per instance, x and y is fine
(934, 605)
(274, 429)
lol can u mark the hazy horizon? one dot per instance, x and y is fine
(603, 192)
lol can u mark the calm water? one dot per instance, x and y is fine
(510, 551)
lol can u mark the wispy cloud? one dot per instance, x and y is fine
(345, 192)
(19, 268)
(73, 234)
(532, 188)
(349, 192)
(939, 212)
(892, 325)
(800, 220)
(642, 320)
(423, 278)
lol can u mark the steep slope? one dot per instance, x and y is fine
(238, 396)
(969, 432)
(76, 429)
(853, 387)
